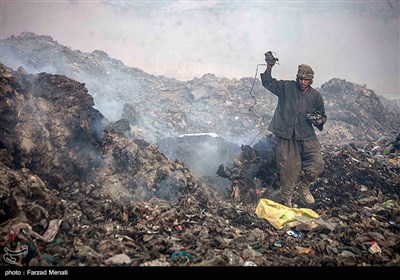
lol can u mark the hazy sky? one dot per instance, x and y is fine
(354, 40)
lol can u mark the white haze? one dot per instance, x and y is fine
(353, 40)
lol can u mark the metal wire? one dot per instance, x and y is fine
(251, 90)
(255, 103)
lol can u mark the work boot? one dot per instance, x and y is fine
(287, 200)
(305, 194)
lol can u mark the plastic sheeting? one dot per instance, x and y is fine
(279, 215)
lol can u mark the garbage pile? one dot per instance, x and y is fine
(76, 190)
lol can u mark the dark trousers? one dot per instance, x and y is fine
(294, 157)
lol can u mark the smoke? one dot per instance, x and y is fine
(8, 57)
(109, 107)
(201, 153)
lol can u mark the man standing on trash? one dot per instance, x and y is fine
(300, 107)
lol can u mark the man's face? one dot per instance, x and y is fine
(304, 84)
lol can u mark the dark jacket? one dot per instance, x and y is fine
(291, 112)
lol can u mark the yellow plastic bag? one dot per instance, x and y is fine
(279, 215)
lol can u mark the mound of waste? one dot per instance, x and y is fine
(77, 190)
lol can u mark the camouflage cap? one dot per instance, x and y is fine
(305, 72)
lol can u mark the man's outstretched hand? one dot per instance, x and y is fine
(270, 59)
